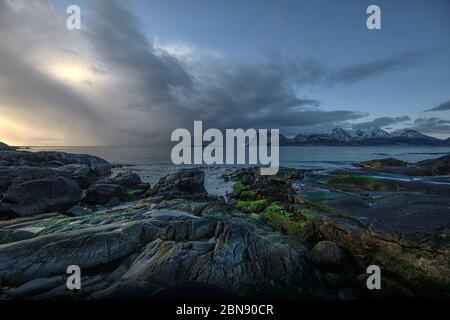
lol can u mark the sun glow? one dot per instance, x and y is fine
(72, 73)
(16, 133)
(10, 131)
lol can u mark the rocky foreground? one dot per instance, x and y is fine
(297, 235)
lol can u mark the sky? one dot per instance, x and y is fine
(137, 70)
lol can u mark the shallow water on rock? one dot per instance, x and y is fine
(214, 183)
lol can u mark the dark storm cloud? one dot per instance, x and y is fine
(150, 91)
(41, 102)
(354, 73)
(121, 44)
(442, 107)
(30, 89)
(431, 125)
(380, 122)
(225, 95)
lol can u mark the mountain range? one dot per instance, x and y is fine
(363, 137)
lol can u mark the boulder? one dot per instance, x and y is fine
(381, 163)
(54, 159)
(272, 188)
(437, 167)
(41, 195)
(131, 181)
(80, 173)
(101, 194)
(13, 175)
(328, 256)
(127, 179)
(4, 147)
(16, 175)
(186, 183)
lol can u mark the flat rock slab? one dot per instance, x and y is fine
(140, 258)
(412, 215)
(41, 196)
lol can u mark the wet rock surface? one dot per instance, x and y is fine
(402, 227)
(432, 167)
(40, 196)
(382, 163)
(146, 253)
(4, 147)
(38, 182)
(100, 194)
(439, 166)
(297, 235)
(328, 256)
(186, 183)
(52, 159)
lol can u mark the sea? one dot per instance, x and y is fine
(290, 156)
(153, 162)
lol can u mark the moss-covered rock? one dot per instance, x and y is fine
(251, 206)
(421, 270)
(248, 195)
(365, 182)
(280, 219)
(381, 163)
(408, 269)
(239, 187)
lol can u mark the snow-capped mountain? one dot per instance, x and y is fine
(408, 133)
(366, 137)
(361, 134)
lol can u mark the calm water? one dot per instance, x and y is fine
(301, 157)
(152, 163)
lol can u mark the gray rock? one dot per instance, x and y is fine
(130, 181)
(4, 147)
(54, 159)
(100, 194)
(12, 175)
(80, 173)
(16, 175)
(162, 251)
(77, 211)
(35, 286)
(4, 163)
(328, 256)
(144, 186)
(114, 201)
(439, 166)
(381, 163)
(186, 183)
(14, 235)
(42, 195)
(125, 179)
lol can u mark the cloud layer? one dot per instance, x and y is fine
(111, 84)
(442, 107)
(432, 125)
(380, 122)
